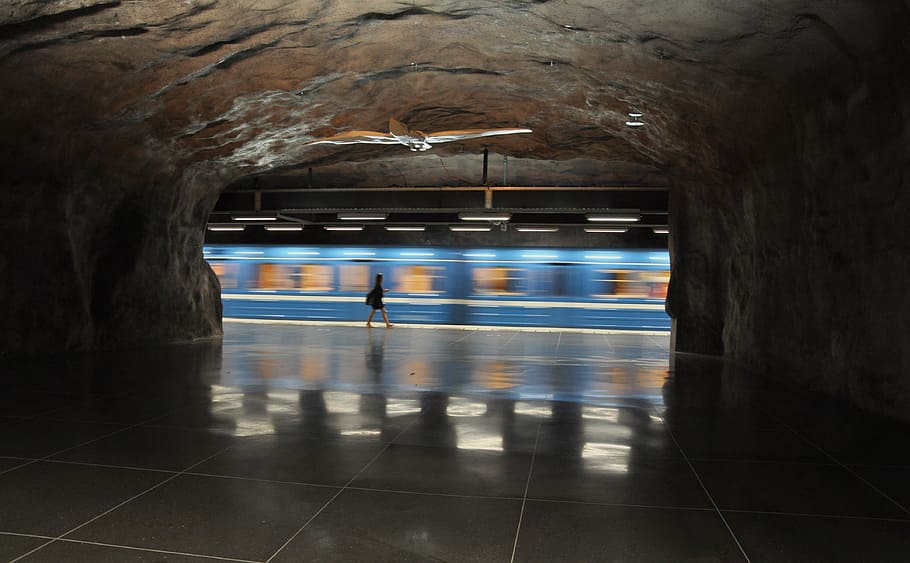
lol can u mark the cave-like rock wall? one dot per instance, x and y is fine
(782, 127)
(795, 260)
(100, 253)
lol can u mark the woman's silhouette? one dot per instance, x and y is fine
(375, 300)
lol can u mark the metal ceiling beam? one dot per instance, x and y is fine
(458, 189)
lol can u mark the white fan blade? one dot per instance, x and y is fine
(457, 135)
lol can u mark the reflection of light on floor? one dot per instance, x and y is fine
(363, 432)
(609, 458)
(612, 433)
(339, 402)
(418, 372)
(601, 413)
(313, 369)
(247, 426)
(398, 407)
(462, 407)
(496, 375)
(267, 367)
(541, 410)
(478, 441)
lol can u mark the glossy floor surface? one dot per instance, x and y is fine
(315, 443)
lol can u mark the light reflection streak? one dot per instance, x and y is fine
(248, 426)
(610, 414)
(398, 407)
(363, 432)
(609, 458)
(462, 407)
(479, 441)
(533, 409)
(340, 402)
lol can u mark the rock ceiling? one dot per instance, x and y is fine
(243, 85)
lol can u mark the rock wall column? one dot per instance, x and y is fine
(104, 249)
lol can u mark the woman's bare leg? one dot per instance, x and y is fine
(385, 317)
(370, 318)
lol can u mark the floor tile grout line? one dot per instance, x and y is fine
(261, 480)
(524, 500)
(841, 464)
(25, 463)
(105, 436)
(763, 461)
(432, 494)
(704, 488)
(50, 455)
(23, 535)
(811, 515)
(108, 511)
(338, 493)
(153, 550)
(108, 465)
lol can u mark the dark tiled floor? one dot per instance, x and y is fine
(317, 443)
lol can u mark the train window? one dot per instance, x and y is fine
(227, 274)
(354, 277)
(499, 280)
(658, 281)
(316, 277)
(418, 279)
(631, 283)
(278, 276)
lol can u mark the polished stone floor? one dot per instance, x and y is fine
(325, 443)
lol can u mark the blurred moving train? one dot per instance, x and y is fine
(536, 287)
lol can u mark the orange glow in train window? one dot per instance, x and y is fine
(632, 284)
(497, 280)
(418, 279)
(227, 274)
(316, 277)
(277, 276)
(354, 277)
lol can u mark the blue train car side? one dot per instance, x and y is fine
(615, 289)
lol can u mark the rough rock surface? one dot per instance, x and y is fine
(782, 128)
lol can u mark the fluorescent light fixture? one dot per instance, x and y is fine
(284, 227)
(613, 217)
(255, 217)
(343, 227)
(417, 254)
(372, 216)
(249, 252)
(480, 216)
(537, 229)
(539, 256)
(635, 119)
(303, 252)
(480, 254)
(470, 228)
(602, 256)
(604, 230)
(661, 230)
(405, 227)
(225, 227)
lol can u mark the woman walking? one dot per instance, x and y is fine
(374, 299)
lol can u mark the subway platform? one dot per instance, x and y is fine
(288, 442)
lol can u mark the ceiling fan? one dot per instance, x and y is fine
(399, 133)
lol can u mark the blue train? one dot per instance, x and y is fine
(523, 287)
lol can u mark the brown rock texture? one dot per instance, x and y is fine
(782, 129)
